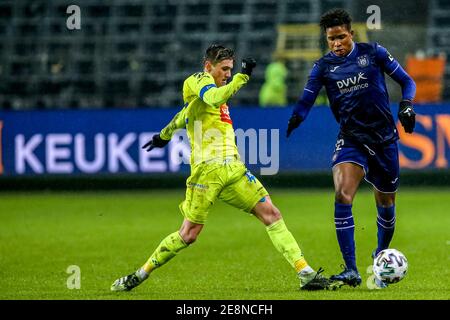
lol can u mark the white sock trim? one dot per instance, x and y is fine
(305, 270)
(141, 274)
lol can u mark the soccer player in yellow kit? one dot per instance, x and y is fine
(217, 171)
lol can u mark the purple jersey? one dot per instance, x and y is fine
(357, 92)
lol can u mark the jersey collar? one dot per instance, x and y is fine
(352, 52)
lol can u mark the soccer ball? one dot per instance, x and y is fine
(390, 266)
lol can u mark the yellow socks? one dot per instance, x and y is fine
(167, 249)
(285, 243)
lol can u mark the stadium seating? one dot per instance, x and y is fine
(136, 53)
(130, 53)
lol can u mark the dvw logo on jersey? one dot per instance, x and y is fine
(352, 84)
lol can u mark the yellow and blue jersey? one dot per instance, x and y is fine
(206, 117)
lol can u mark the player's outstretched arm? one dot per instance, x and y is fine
(392, 67)
(216, 97)
(305, 103)
(161, 139)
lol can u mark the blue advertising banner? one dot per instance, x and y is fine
(107, 141)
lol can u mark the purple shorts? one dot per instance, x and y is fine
(380, 162)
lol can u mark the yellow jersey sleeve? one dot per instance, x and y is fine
(178, 122)
(202, 84)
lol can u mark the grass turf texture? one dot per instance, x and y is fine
(109, 235)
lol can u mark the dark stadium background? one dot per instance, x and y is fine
(117, 80)
(135, 56)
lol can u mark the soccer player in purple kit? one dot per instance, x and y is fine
(366, 146)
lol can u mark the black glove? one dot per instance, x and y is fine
(156, 142)
(293, 123)
(247, 66)
(407, 116)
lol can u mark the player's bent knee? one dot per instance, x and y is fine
(343, 197)
(189, 231)
(190, 237)
(385, 200)
(276, 214)
(272, 215)
(267, 213)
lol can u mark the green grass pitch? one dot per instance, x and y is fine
(110, 234)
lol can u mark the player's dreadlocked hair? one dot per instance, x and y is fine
(216, 53)
(336, 17)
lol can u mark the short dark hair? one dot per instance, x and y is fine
(216, 53)
(336, 17)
